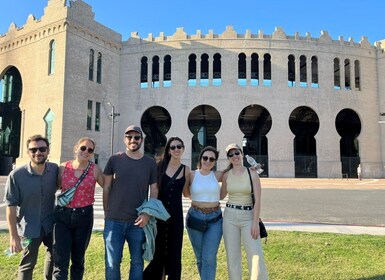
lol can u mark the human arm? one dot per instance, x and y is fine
(59, 176)
(224, 186)
(98, 174)
(186, 187)
(14, 238)
(186, 191)
(219, 175)
(255, 230)
(106, 191)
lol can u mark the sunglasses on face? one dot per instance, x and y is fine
(84, 148)
(237, 153)
(179, 147)
(136, 137)
(40, 149)
(206, 158)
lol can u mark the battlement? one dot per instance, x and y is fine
(278, 34)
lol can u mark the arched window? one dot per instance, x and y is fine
(314, 72)
(357, 75)
(52, 54)
(167, 71)
(48, 119)
(347, 74)
(143, 72)
(204, 70)
(91, 65)
(192, 70)
(155, 71)
(302, 71)
(99, 69)
(217, 69)
(267, 70)
(337, 78)
(254, 69)
(242, 69)
(291, 71)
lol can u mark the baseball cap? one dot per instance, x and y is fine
(134, 128)
(232, 146)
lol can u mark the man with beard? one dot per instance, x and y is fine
(128, 177)
(30, 200)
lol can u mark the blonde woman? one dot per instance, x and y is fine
(74, 221)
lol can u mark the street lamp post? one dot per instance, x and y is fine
(113, 115)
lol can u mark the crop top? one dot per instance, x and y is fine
(205, 188)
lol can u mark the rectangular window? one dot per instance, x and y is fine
(89, 115)
(97, 116)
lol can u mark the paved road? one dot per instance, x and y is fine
(330, 205)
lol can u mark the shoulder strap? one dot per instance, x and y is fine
(82, 176)
(175, 175)
(251, 184)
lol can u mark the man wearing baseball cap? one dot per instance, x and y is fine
(128, 177)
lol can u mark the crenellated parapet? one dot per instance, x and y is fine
(278, 35)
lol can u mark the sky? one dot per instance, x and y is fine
(347, 18)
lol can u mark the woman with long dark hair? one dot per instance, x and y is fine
(173, 180)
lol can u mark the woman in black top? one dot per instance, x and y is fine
(168, 244)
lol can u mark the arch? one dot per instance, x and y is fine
(254, 67)
(348, 126)
(192, 70)
(155, 122)
(242, 79)
(217, 70)
(304, 123)
(11, 87)
(204, 121)
(314, 72)
(155, 71)
(255, 123)
(302, 71)
(167, 71)
(143, 72)
(267, 70)
(48, 119)
(204, 69)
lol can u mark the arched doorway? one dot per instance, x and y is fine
(155, 122)
(348, 126)
(255, 122)
(204, 122)
(10, 118)
(304, 124)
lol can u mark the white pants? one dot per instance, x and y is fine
(236, 229)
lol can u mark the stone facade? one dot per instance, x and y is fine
(67, 92)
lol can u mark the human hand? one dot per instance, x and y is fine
(15, 244)
(255, 231)
(142, 220)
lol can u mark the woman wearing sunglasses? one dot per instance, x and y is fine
(172, 181)
(205, 209)
(74, 221)
(241, 218)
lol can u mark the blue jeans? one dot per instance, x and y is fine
(115, 234)
(206, 244)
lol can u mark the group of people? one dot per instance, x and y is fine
(142, 201)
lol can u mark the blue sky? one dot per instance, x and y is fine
(347, 18)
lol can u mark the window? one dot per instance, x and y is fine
(97, 116)
(314, 72)
(302, 71)
(48, 119)
(192, 70)
(347, 74)
(242, 80)
(254, 69)
(291, 71)
(99, 69)
(89, 115)
(217, 70)
(267, 70)
(337, 79)
(91, 66)
(357, 80)
(167, 71)
(155, 71)
(143, 72)
(52, 54)
(204, 70)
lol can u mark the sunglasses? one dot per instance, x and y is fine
(40, 149)
(136, 137)
(206, 158)
(84, 148)
(176, 147)
(237, 153)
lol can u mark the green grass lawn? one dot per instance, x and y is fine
(289, 255)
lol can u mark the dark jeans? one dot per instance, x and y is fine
(30, 254)
(72, 233)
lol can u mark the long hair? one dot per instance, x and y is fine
(166, 157)
(205, 149)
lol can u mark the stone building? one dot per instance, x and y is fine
(302, 106)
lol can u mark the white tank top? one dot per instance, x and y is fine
(205, 188)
